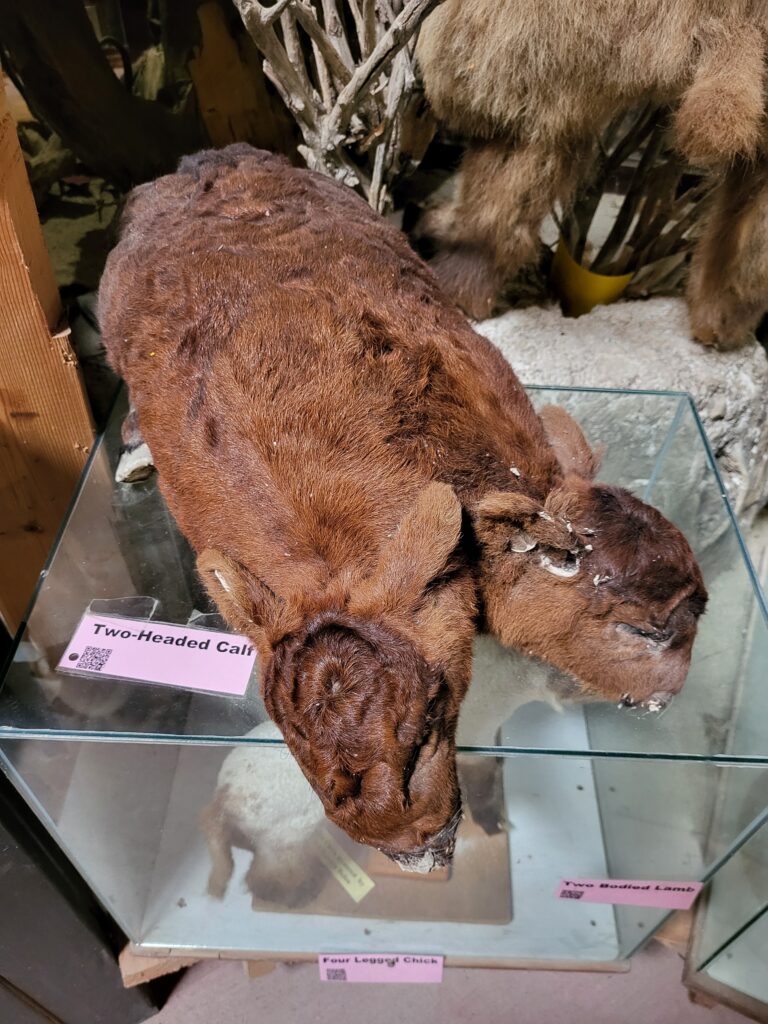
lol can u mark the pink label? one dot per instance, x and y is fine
(398, 967)
(630, 891)
(157, 652)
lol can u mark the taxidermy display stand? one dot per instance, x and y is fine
(44, 418)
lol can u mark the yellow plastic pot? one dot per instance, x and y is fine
(579, 289)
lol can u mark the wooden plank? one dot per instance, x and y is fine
(136, 970)
(258, 968)
(231, 89)
(45, 425)
(520, 964)
(675, 933)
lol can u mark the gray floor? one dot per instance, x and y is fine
(650, 993)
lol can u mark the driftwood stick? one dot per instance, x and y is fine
(334, 28)
(303, 113)
(359, 20)
(386, 149)
(365, 74)
(306, 18)
(251, 12)
(349, 96)
(324, 77)
(368, 41)
(281, 72)
(293, 51)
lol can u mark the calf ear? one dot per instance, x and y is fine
(570, 446)
(509, 523)
(416, 554)
(245, 601)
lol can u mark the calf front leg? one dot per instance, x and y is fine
(492, 228)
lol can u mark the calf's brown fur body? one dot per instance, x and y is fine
(312, 402)
(532, 83)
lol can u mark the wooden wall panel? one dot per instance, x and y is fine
(45, 424)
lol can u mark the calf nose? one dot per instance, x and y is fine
(437, 852)
(653, 705)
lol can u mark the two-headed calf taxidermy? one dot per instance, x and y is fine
(360, 473)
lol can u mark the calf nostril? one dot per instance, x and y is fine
(653, 705)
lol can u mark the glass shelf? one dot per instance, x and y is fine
(119, 547)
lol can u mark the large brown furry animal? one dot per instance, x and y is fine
(531, 83)
(313, 402)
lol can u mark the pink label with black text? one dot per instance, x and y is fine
(381, 967)
(158, 652)
(630, 892)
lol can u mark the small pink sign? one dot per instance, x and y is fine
(158, 652)
(630, 892)
(381, 967)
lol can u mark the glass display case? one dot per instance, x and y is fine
(728, 956)
(185, 815)
(729, 952)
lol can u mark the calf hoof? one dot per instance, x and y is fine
(135, 464)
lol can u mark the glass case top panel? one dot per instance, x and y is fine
(120, 554)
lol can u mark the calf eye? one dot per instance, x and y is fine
(658, 636)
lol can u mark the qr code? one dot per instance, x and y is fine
(93, 659)
(336, 974)
(570, 894)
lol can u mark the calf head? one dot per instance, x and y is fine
(591, 579)
(365, 680)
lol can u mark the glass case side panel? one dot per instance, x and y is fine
(105, 805)
(629, 428)
(659, 822)
(248, 862)
(749, 723)
(654, 817)
(737, 894)
(741, 968)
(732, 635)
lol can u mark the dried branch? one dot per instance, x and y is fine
(308, 21)
(370, 35)
(292, 46)
(655, 226)
(349, 111)
(398, 34)
(359, 20)
(334, 27)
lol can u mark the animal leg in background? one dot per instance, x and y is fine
(721, 114)
(727, 289)
(216, 829)
(504, 194)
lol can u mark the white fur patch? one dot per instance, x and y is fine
(222, 581)
(564, 571)
(134, 466)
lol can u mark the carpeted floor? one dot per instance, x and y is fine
(650, 993)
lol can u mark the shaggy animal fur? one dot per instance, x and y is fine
(313, 404)
(263, 804)
(533, 82)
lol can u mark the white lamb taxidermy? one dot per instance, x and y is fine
(264, 804)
